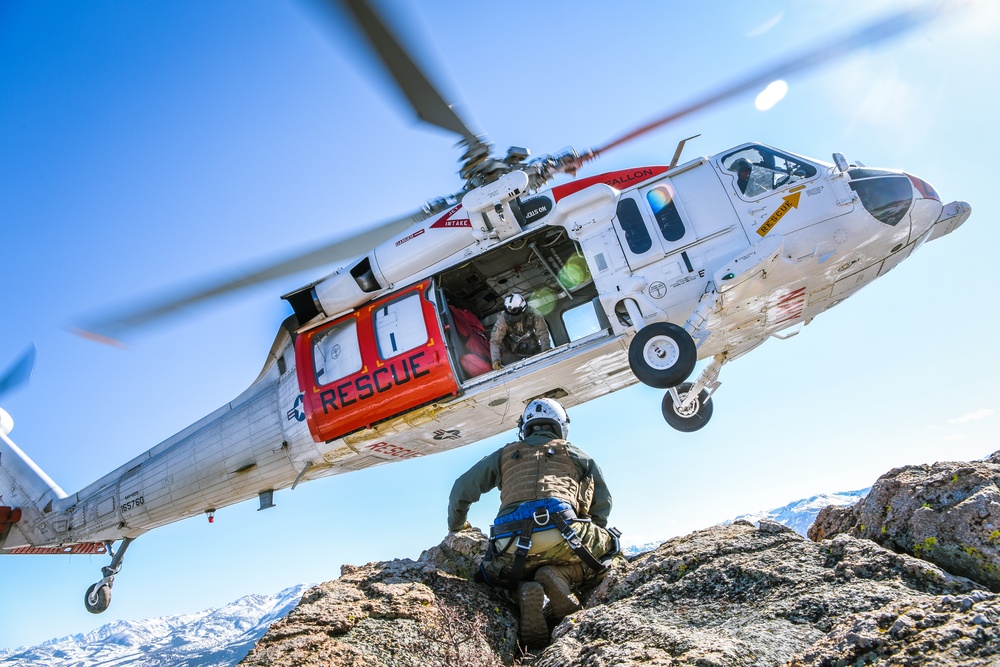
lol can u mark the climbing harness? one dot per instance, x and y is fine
(536, 516)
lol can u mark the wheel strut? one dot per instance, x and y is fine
(98, 596)
(708, 379)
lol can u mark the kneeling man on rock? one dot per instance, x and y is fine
(551, 533)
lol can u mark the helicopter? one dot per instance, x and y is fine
(639, 272)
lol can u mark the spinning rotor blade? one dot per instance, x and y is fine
(870, 34)
(19, 373)
(113, 328)
(427, 102)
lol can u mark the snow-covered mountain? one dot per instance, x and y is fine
(801, 514)
(798, 515)
(212, 638)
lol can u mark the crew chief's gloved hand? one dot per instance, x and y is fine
(497, 365)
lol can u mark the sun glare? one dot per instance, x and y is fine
(771, 95)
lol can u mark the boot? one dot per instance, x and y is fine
(558, 581)
(534, 628)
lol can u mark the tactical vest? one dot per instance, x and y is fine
(534, 472)
(541, 480)
(521, 338)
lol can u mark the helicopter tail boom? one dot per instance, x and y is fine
(26, 496)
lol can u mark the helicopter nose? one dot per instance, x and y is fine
(923, 188)
(926, 205)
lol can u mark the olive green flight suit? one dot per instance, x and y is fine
(541, 466)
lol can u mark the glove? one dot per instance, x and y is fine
(497, 365)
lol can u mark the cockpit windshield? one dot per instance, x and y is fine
(757, 170)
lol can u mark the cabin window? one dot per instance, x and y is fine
(336, 353)
(768, 170)
(581, 321)
(887, 198)
(669, 221)
(399, 326)
(630, 219)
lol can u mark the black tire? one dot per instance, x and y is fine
(98, 598)
(662, 355)
(695, 417)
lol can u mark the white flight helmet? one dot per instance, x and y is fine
(544, 412)
(514, 304)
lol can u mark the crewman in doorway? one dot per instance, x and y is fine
(518, 333)
(551, 533)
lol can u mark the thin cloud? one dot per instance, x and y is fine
(767, 25)
(973, 416)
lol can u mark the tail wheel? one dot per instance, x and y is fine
(98, 598)
(691, 418)
(662, 355)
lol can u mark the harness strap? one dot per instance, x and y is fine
(523, 545)
(573, 540)
(543, 517)
(616, 549)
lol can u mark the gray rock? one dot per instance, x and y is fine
(396, 613)
(458, 554)
(738, 595)
(925, 631)
(947, 513)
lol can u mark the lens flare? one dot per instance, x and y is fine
(543, 300)
(659, 197)
(574, 272)
(771, 95)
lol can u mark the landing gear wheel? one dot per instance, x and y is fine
(691, 418)
(98, 598)
(662, 355)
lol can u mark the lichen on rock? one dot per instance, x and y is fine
(947, 513)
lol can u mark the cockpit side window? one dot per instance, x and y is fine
(336, 353)
(758, 170)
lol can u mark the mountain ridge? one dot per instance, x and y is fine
(215, 637)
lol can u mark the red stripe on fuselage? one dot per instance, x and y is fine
(619, 180)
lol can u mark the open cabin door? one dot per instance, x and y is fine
(379, 361)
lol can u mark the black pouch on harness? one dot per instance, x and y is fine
(527, 346)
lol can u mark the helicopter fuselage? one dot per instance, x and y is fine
(378, 364)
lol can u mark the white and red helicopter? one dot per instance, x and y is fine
(639, 273)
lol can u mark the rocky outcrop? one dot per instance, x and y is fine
(899, 578)
(730, 595)
(947, 513)
(944, 631)
(740, 595)
(402, 612)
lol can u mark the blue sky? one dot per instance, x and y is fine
(147, 145)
